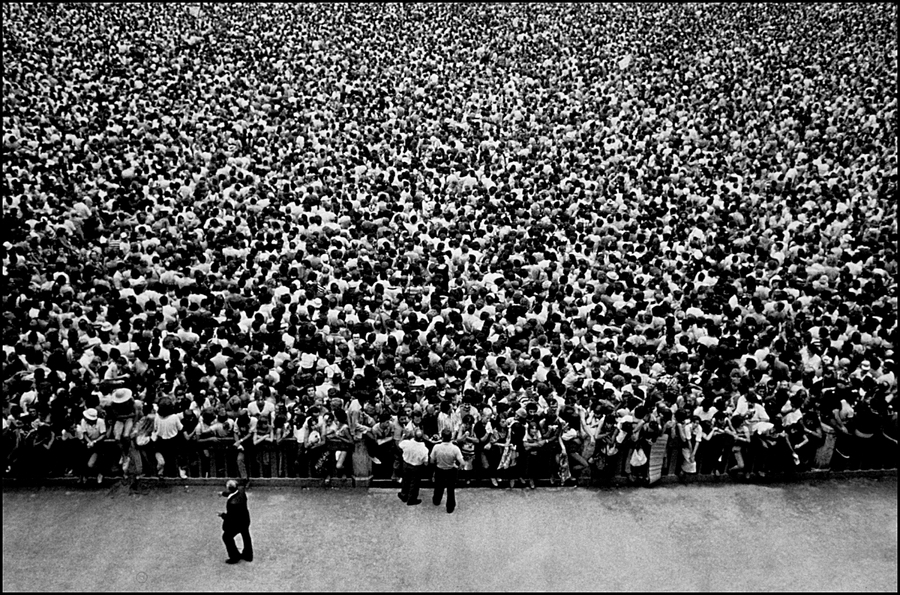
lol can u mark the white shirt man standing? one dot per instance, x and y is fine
(415, 461)
(448, 459)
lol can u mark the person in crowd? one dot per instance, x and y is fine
(739, 429)
(188, 459)
(15, 437)
(340, 444)
(401, 431)
(380, 442)
(244, 436)
(281, 431)
(483, 430)
(67, 448)
(719, 444)
(260, 407)
(577, 441)
(466, 440)
(263, 438)
(168, 439)
(204, 436)
(688, 438)
(500, 452)
(142, 435)
(361, 421)
(315, 448)
(121, 412)
(42, 448)
(533, 444)
(92, 431)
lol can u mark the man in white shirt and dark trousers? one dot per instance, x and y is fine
(448, 458)
(415, 460)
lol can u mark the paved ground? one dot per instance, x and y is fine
(834, 536)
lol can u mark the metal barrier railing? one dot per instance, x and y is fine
(218, 458)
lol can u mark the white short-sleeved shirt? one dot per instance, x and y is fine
(168, 427)
(414, 452)
(92, 431)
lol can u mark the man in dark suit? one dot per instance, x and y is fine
(236, 520)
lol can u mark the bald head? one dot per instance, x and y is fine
(231, 486)
(419, 436)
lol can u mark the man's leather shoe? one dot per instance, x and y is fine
(246, 558)
(413, 502)
(232, 560)
(402, 497)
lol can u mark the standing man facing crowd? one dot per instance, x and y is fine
(415, 461)
(236, 520)
(448, 458)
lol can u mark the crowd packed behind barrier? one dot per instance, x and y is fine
(519, 450)
(276, 239)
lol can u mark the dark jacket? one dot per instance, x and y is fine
(237, 516)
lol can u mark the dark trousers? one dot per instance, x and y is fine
(409, 487)
(384, 453)
(169, 451)
(533, 464)
(718, 447)
(231, 548)
(445, 478)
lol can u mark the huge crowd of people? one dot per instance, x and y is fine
(567, 234)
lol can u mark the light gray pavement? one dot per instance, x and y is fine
(830, 535)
